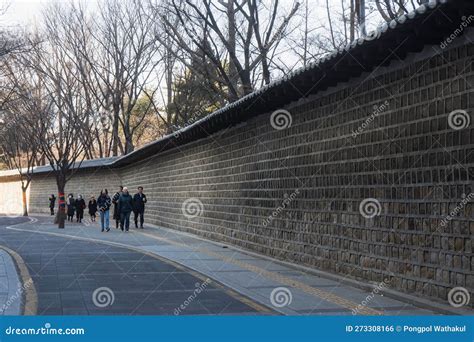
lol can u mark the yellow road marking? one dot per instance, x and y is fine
(31, 297)
(328, 296)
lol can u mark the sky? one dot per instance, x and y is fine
(21, 12)
(27, 12)
(24, 12)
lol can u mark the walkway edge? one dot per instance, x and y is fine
(369, 287)
(242, 297)
(417, 301)
(31, 297)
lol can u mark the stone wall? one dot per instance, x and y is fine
(11, 196)
(383, 141)
(295, 193)
(87, 182)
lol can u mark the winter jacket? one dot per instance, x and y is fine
(80, 205)
(115, 199)
(139, 201)
(52, 200)
(125, 203)
(92, 207)
(104, 202)
(71, 206)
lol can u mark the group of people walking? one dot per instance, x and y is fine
(123, 205)
(77, 205)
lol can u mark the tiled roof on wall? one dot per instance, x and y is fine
(86, 164)
(429, 24)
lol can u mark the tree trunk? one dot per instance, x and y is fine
(169, 88)
(128, 138)
(352, 22)
(361, 16)
(23, 198)
(129, 144)
(233, 75)
(265, 68)
(115, 129)
(60, 218)
(246, 82)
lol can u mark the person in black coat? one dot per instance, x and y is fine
(139, 200)
(71, 207)
(52, 201)
(80, 206)
(92, 208)
(116, 214)
(125, 207)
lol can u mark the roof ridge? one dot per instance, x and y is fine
(373, 35)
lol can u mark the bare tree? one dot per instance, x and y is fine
(59, 125)
(114, 53)
(11, 39)
(342, 25)
(23, 99)
(391, 9)
(19, 151)
(239, 38)
(125, 68)
(69, 29)
(167, 75)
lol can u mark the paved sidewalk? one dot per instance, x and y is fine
(11, 287)
(282, 288)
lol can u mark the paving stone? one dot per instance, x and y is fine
(67, 278)
(143, 285)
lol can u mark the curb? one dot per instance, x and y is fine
(405, 297)
(31, 299)
(259, 307)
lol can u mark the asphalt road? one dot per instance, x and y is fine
(74, 277)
